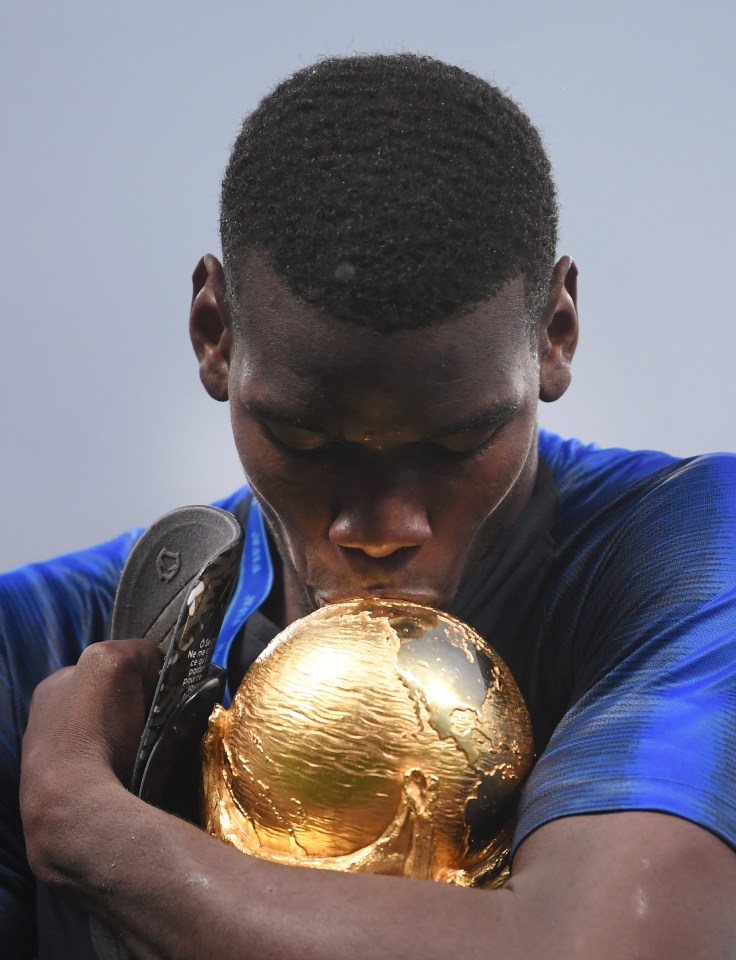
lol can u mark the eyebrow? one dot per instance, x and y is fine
(267, 411)
(502, 410)
(497, 412)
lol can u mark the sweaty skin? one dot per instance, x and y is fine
(368, 458)
(385, 463)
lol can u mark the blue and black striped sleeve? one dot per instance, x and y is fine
(644, 622)
(49, 613)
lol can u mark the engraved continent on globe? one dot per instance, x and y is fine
(372, 735)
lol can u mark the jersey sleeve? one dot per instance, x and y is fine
(648, 621)
(48, 614)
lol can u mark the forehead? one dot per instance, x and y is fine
(291, 352)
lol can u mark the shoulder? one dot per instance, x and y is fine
(621, 510)
(641, 640)
(57, 588)
(645, 558)
(595, 483)
(51, 611)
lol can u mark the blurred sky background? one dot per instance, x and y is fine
(117, 119)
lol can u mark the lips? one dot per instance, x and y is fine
(335, 576)
(382, 592)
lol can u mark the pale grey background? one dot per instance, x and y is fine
(117, 119)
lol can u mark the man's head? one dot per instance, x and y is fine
(392, 191)
(388, 317)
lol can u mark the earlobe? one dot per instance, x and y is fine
(210, 327)
(558, 332)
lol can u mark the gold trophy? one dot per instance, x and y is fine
(372, 735)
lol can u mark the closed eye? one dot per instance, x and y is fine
(467, 442)
(296, 439)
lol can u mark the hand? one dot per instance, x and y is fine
(83, 731)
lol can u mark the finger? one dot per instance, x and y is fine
(95, 712)
(123, 676)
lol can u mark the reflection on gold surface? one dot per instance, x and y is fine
(378, 736)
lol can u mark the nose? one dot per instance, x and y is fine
(381, 523)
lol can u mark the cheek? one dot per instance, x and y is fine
(297, 498)
(491, 489)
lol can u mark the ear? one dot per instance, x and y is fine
(210, 326)
(558, 332)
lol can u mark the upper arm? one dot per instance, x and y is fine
(627, 826)
(17, 885)
(624, 885)
(645, 650)
(48, 614)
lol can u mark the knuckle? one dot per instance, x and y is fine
(109, 655)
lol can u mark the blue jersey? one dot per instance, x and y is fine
(613, 599)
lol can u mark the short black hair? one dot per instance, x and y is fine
(391, 190)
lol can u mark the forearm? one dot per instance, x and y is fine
(610, 887)
(580, 891)
(173, 892)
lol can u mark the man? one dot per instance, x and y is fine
(389, 311)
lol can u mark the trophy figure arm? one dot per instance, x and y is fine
(604, 887)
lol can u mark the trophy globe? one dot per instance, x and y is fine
(372, 735)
